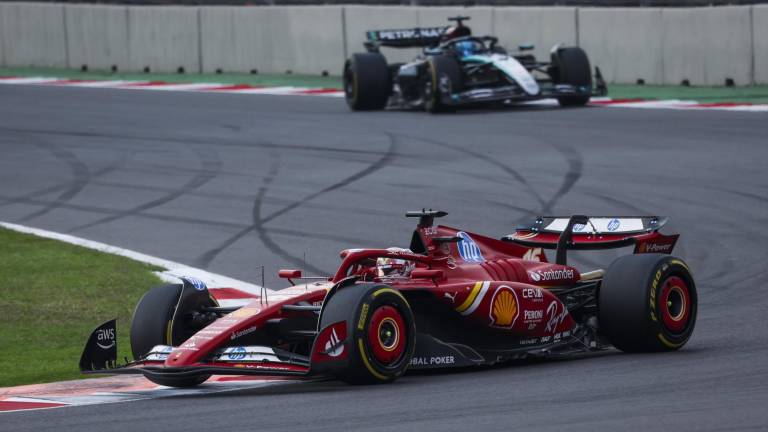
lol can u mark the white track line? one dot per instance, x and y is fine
(173, 269)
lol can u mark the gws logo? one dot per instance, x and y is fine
(333, 347)
(468, 249)
(613, 225)
(105, 338)
(237, 353)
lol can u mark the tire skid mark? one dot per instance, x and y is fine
(24, 199)
(575, 169)
(220, 142)
(210, 164)
(258, 221)
(81, 174)
(207, 257)
(487, 159)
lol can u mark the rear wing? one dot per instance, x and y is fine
(595, 232)
(404, 38)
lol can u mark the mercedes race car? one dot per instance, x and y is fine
(457, 68)
(453, 299)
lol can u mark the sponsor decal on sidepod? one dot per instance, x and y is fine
(468, 249)
(551, 274)
(504, 307)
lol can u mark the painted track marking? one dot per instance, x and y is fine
(331, 92)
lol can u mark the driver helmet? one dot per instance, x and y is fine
(467, 48)
(394, 267)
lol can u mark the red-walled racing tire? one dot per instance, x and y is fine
(648, 303)
(381, 336)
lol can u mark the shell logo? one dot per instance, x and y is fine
(504, 307)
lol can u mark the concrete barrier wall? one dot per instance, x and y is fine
(164, 38)
(541, 26)
(33, 34)
(229, 40)
(760, 43)
(306, 40)
(625, 42)
(707, 45)
(97, 36)
(703, 45)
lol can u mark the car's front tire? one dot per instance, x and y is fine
(648, 303)
(442, 70)
(162, 317)
(366, 82)
(381, 333)
(572, 67)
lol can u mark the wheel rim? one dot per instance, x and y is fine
(386, 335)
(428, 99)
(349, 83)
(675, 304)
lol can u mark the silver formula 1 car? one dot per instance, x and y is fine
(456, 68)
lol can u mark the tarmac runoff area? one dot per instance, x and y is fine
(228, 184)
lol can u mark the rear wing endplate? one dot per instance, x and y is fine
(403, 38)
(595, 232)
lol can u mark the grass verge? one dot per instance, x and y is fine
(52, 295)
(750, 94)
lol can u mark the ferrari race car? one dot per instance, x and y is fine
(453, 299)
(457, 68)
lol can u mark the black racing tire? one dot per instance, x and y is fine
(648, 303)
(381, 335)
(572, 66)
(153, 323)
(441, 70)
(179, 382)
(367, 84)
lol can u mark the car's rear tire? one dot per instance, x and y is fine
(154, 323)
(381, 333)
(572, 67)
(367, 83)
(442, 70)
(648, 303)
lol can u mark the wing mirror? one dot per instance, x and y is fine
(289, 274)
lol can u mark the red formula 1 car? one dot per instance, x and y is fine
(453, 299)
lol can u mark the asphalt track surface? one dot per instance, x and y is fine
(232, 182)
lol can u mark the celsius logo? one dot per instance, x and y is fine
(468, 249)
(105, 338)
(613, 225)
(334, 347)
(237, 353)
(547, 275)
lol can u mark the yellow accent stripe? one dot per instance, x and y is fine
(470, 298)
(364, 356)
(168, 328)
(666, 342)
(678, 262)
(390, 290)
